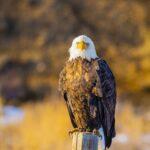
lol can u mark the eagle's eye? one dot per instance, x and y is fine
(87, 44)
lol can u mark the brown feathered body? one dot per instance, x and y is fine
(79, 79)
(89, 90)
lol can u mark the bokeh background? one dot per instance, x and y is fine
(35, 36)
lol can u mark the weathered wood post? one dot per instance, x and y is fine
(86, 141)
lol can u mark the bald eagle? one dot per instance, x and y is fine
(89, 90)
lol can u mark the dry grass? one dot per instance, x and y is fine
(128, 121)
(46, 126)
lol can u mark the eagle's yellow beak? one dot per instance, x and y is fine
(81, 45)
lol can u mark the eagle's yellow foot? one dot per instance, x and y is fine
(96, 132)
(88, 130)
(76, 130)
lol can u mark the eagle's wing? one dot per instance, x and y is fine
(62, 89)
(108, 102)
(70, 111)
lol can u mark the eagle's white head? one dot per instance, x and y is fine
(82, 46)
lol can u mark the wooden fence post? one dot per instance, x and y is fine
(86, 141)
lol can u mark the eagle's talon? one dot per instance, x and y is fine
(88, 130)
(75, 130)
(70, 133)
(82, 130)
(96, 132)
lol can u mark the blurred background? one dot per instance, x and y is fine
(35, 36)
